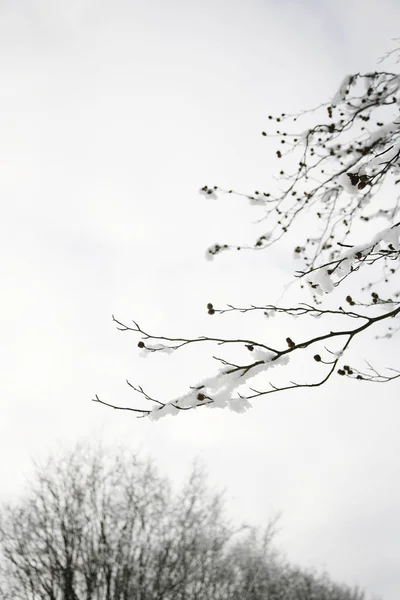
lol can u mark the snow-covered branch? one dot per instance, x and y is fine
(337, 186)
(229, 386)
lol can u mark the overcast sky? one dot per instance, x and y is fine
(112, 115)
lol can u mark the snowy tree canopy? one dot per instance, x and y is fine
(337, 205)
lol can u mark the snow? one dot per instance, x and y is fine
(389, 236)
(167, 409)
(341, 93)
(148, 348)
(344, 268)
(383, 158)
(221, 388)
(239, 405)
(345, 182)
(382, 132)
(324, 282)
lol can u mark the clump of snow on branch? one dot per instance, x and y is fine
(322, 279)
(340, 95)
(345, 181)
(391, 237)
(218, 391)
(147, 349)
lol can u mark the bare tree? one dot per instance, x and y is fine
(336, 196)
(94, 526)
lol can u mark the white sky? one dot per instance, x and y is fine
(112, 115)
